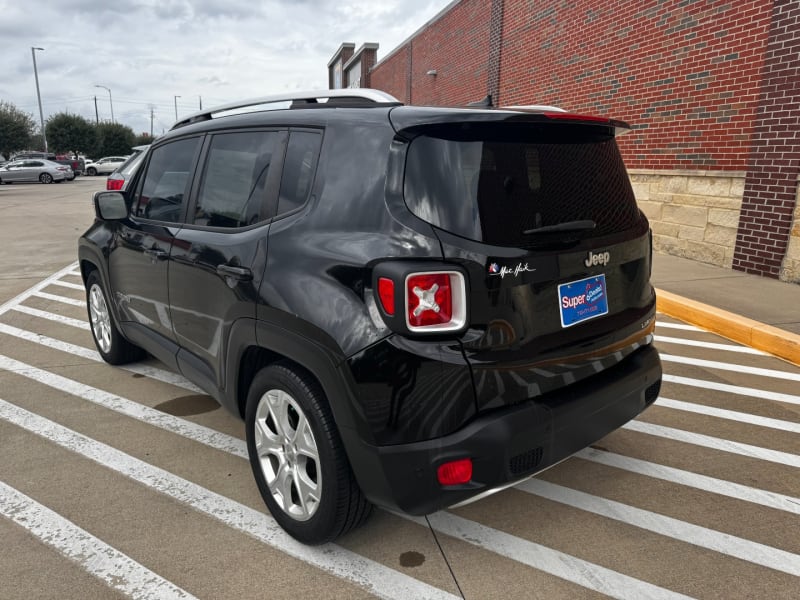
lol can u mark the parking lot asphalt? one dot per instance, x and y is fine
(129, 482)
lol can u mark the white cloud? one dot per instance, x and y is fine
(148, 51)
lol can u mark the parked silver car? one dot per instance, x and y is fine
(44, 171)
(105, 165)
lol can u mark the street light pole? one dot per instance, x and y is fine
(110, 103)
(39, 95)
(176, 107)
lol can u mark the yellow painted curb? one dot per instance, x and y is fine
(755, 334)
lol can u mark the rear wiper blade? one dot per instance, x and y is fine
(585, 225)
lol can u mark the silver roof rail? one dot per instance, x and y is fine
(315, 96)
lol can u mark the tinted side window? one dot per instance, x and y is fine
(165, 183)
(234, 189)
(298, 169)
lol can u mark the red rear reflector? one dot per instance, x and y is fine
(455, 472)
(429, 299)
(386, 294)
(114, 184)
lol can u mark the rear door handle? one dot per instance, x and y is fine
(237, 273)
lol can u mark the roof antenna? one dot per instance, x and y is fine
(486, 102)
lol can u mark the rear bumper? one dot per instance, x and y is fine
(511, 443)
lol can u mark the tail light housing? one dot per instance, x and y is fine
(114, 184)
(419, 298)
(435, 301)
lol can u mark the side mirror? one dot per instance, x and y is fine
(110, 206)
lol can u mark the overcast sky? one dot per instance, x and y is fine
(148, 51)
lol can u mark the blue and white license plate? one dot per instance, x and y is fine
(582, 300)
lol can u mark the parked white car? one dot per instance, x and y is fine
(105, 165)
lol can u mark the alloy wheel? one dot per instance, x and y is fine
(288, 454)
(100, 317)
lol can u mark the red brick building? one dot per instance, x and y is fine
(711, 88)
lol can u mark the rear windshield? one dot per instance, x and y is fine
(493, 185)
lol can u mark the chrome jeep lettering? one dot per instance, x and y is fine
(600, 258)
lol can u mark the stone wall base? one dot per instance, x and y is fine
(693, 214)
(790, 270)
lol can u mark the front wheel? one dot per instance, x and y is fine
(91, 171)
(298, 459)
(46, 178)
(114, 348)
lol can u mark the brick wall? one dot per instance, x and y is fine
(771, 186)
(455, 46)
(392, 74)
(708, 85)
(685, 74)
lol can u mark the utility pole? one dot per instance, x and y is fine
(200, 98)
(96, 114)
(152, 116)
(39, 95)
(176, 107)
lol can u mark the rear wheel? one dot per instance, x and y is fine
(114, 348)
(297, 457)
(46, 178)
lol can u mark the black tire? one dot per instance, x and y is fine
(91, 171)
(114, 348)
(341, 505)
(46, 178)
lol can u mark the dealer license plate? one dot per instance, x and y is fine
(582, 300)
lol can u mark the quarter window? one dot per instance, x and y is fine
(234, 189)
(298, 170)
(166, 181)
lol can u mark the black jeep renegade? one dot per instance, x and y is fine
(409, 306)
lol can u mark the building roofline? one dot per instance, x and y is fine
(336, 54)
(427, 24)
(357, 54)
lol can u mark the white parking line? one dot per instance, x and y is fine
(349, 566)
(67, 284)
(53, 279)
(709, 345)
(724, 543)
(707, 441)
(681, 326)
(694, 480)
(712, 364)
(94, 556)
(62, 299)
(43, 314)
(152, 372)
(561, 565)
(731, 415)
(732, 389)
(156, 418)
